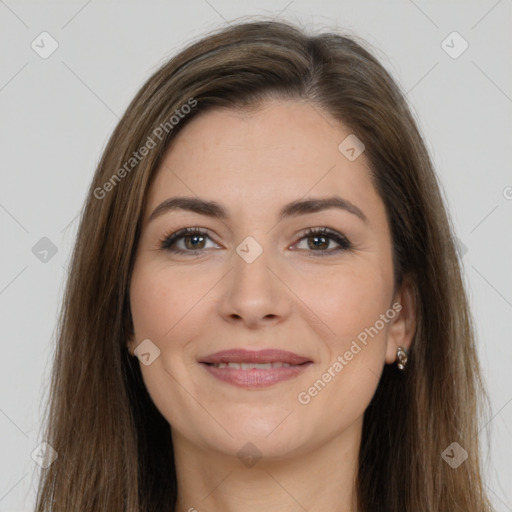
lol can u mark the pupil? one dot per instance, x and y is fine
(317, 238)
(195, 238)
(318, 241)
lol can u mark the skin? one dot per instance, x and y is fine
(290, 298)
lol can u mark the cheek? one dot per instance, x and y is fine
(160, 300)
(351, 306)
(149, 300)
(347, 299)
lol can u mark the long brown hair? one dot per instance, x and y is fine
(114, 447)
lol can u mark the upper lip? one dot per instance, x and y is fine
(255, 356)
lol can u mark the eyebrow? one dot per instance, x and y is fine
(293, 209)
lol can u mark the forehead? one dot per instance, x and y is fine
(283, 150)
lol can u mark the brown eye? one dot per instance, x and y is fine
(193, 240)
(319, 240)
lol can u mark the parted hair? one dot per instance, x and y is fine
(114, 448)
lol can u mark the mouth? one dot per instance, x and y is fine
(251, 366)
(254, 369)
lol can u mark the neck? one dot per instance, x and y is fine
(318, 479)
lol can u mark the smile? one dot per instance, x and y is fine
(254, 369)
(251, 366)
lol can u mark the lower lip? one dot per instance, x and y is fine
(256, 378)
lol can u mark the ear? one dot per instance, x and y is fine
(131, 345)
(403, 326)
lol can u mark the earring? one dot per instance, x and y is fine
(401, 355)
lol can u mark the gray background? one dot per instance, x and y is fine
(57, 113)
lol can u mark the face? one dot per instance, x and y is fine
(315, 283)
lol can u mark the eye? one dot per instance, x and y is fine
(194, 240)
(318, 240)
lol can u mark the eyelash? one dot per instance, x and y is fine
(344, 244)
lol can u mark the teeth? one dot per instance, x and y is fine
(250, 366)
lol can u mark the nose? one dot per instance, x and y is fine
(254, 293)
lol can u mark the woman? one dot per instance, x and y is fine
(265, 307)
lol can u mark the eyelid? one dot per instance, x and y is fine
(343, 242)
(173, 236)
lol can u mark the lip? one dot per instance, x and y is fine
(255, 356)
(255, 377)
